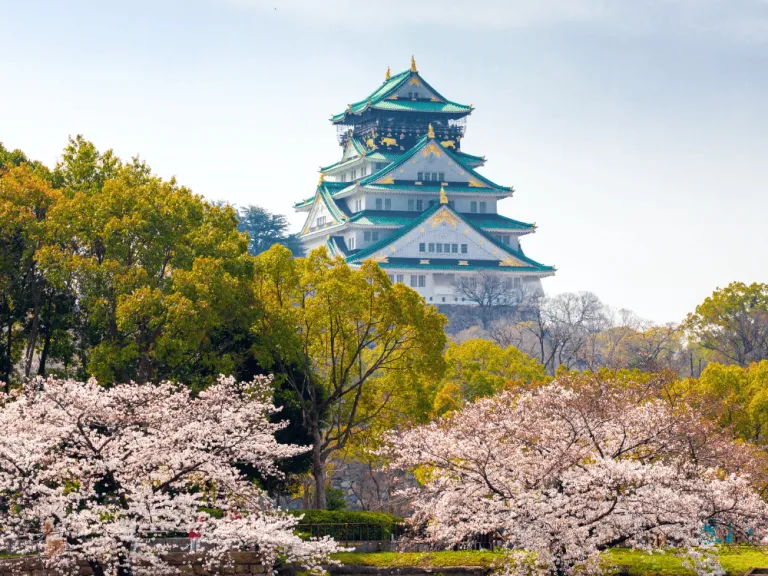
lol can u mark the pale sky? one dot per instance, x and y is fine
(634, 131)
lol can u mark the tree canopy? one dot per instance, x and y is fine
(732, 324)
(360, 341)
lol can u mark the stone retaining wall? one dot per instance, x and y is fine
(242, 563)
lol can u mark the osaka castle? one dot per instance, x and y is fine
(406, 195)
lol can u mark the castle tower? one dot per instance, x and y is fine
(405, 195)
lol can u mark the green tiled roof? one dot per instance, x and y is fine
(325, 195)
(389, 218)
(383, 218)
(453, 264)
(331, 188)
(337, 246)
(415, 150)
(325, 191)
(469, 157)
(377, 246)
(496, 222)
(421, 106)
(377, 100)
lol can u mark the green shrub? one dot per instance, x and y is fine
(347, 525)
(334, 499)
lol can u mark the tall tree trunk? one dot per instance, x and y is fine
(124, 567)
(9, 357)
(96, 568)
(33, 331)
(318, 470)
(44, 354)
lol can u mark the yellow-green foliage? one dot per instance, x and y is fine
(479, 368)
(737, 397)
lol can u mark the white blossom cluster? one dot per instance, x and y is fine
(565, 472)
(104, 472)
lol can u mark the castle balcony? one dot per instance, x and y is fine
(451, 129)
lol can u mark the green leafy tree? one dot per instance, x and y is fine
(732, 324)
(360, 342)
(478, 368)
(163, 278)
(82, 168)
(265, 230)
(736, 397)
(25, 200)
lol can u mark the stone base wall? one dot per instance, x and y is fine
(365, 487)
(188, 564)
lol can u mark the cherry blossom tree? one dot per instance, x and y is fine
(106, 471)
(567, 471)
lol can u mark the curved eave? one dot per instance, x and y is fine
(452, 264)
(513, 231)
(325, 230)
(330, 169)
(423, 107)
(457, 190)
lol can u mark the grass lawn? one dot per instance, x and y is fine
(735, 559)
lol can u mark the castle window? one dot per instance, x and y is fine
(419, 204)
(482, 207)
(422, 247)
(439, 248)
(434, 177)
(442, 176)
(473, 206)
(420, 176)
(464, 248)
(505, 239)
(387, 204)
(455, 248)
(343, 177)
(399, 277)
(391, 278)
(321, 220)
(375, 235)
(427, 177)
(379, 203)
(352, 243)
(354, 174)
(411, 204)
(451, 203)
(380, 165)
(432, 202)
(363, 170)
(367, 236)
(414, 281)
(447, 248)
(431, 247)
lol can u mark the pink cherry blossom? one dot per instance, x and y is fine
(108, 469)
(565, 472)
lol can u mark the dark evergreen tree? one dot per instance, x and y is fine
(266, 230)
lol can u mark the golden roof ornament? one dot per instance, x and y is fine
(430, 132)
(443, 196)
(322, 179)
(388, 74)
(413, 64)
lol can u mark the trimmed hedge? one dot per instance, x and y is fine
(347, 525)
